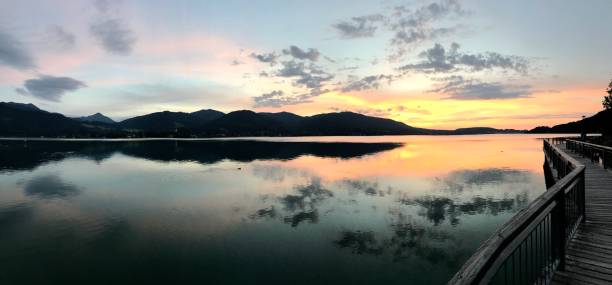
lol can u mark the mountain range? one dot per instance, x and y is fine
(18, 119)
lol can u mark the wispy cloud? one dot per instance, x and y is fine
(298, 53)
(368, 82)
(359, 27)
(408, 27)
(459, 88)
(412, 27)
(111, 32)
(309, 76)
(265, 57)
(60, 38)
(113, 35)
(440, 60)
(14, 53)
(279, 98)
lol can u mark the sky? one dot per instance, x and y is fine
(436, 64)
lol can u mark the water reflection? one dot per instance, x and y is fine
(18, 155)
(407, 240)
(460, 180)
(236, 212)
(439, 209)
(14, 215)
(299, 207)
(50, 186)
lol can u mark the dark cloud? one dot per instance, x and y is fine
(13, 53)
(460, 88)
(359, 27)
(60, 38)
(236, 62)
(296, 52)
(114, 36)
(440, 60)
(366, 83)
(49, 87)
(265, 57)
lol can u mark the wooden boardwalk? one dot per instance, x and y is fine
(589, 254)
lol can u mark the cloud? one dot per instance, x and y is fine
(265, 57)
(359, 27)
(459, 88)
(60, 38)
(440, 60)
(49, 87)
(272, 99)
(385, 112)
(278, 98)
(309, 76)
(368, 82)
(113, 35)
(103, 5)
(298, 53)
(13, 53)
(407, 27)
(414, 26)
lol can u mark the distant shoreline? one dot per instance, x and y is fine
(266, 137)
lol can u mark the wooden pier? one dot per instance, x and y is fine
(562, 237)
(589, 253)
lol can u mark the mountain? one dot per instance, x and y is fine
(27, 120)
(286, 118)
(245, 123)
(598, 123)
(165, 121)
(21, 106)
(96, 118)
(207, 114)
(348, 123)
(170, 122)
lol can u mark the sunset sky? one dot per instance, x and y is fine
(434, 64)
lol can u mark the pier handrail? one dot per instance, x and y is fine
(531, 245)
(593, 151)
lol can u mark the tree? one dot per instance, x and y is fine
(607, 101)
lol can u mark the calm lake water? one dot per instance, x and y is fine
(332, 210)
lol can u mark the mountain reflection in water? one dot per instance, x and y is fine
(368, 211)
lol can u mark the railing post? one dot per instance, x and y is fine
(558, 229)
(582, 194)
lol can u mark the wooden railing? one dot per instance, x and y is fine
(599, 153)
(531, 245)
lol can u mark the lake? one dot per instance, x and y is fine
(317, 210)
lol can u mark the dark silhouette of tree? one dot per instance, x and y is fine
(607, 101)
